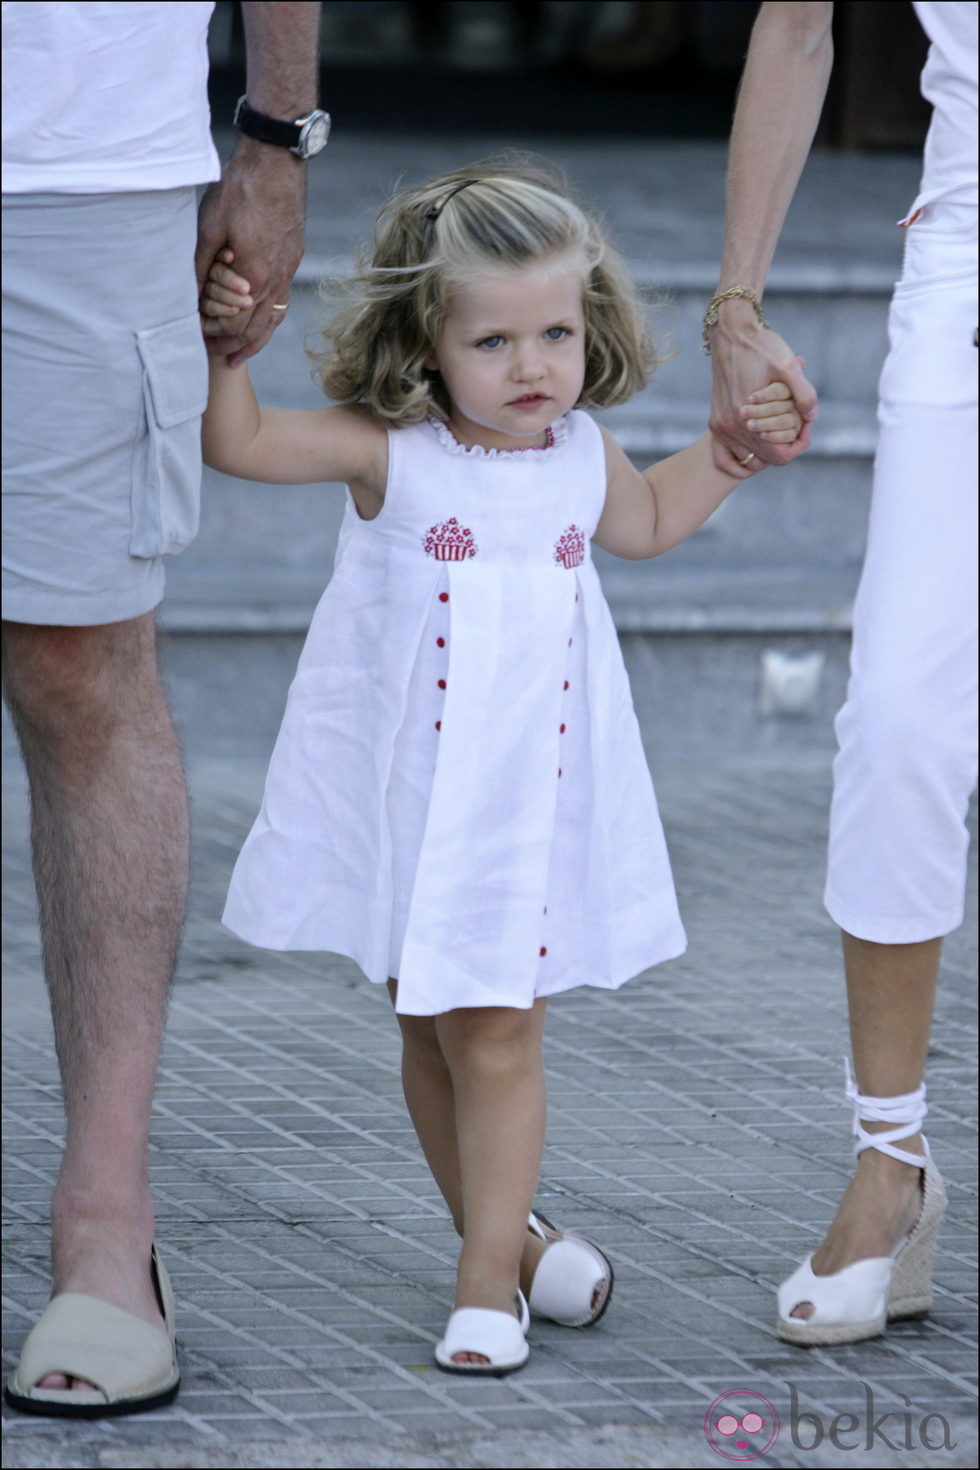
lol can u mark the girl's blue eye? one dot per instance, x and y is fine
(555, 334)
(490, 342)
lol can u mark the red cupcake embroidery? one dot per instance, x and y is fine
(450, 541)
(570, 548)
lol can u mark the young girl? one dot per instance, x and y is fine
(458, 798)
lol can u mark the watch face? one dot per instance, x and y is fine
(315, 134)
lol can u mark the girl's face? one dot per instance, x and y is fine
(511, 352)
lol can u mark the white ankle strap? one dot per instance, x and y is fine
(907, 1112)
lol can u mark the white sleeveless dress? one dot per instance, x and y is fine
(458, 796)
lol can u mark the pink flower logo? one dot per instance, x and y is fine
(450, 541)
(570, 548)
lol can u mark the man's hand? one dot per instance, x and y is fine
(257, 211)
(745, 356)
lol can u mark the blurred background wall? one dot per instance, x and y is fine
(641, 68)
(738, 640)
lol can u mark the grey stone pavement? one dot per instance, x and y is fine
(697, 1128)
(696, 1131)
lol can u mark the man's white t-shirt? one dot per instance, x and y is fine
(105, 98)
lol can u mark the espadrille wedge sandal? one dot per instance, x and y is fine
(855, 1303)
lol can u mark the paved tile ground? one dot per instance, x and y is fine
(696, 1126)
(696, 1131)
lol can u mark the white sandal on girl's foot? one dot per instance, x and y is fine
(855, 1303)
(568, 1276)
(497, 1336)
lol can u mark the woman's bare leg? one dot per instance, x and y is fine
(891, 990)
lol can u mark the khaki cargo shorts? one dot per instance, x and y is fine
(104, 383)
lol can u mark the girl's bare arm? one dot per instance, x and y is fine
(291, 446)
(646, 513)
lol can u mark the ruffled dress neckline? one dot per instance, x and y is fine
(556, 438)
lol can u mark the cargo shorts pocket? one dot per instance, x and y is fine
(166, 487)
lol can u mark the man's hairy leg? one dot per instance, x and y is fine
(110, 840)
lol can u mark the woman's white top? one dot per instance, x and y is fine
(458, 796)
(949, 82)
(105, 98)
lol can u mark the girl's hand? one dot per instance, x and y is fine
(225, 293)
(772, 414)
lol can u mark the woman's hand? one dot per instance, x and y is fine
(743, 355)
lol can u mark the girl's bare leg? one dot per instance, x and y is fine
(474, 1085)
(891, 991)
(493, 1055)
(428, 1088)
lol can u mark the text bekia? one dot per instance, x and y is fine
(898, 1429)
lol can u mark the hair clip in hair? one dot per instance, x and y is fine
(435, 210)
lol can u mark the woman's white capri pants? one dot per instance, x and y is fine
(908, 731)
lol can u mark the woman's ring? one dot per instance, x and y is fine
(748, 458)
(277, 306)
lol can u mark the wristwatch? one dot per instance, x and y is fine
(306, 137)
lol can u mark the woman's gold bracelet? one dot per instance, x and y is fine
(711, 315)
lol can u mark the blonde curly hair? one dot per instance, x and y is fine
(496, 214)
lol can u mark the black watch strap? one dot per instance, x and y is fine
(265, 129)
(306, 137)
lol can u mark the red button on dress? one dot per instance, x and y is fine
(543, 951)
(440, 642)
(443, 596)
(442, 683)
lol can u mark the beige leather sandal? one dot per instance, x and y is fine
(132, 1364)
